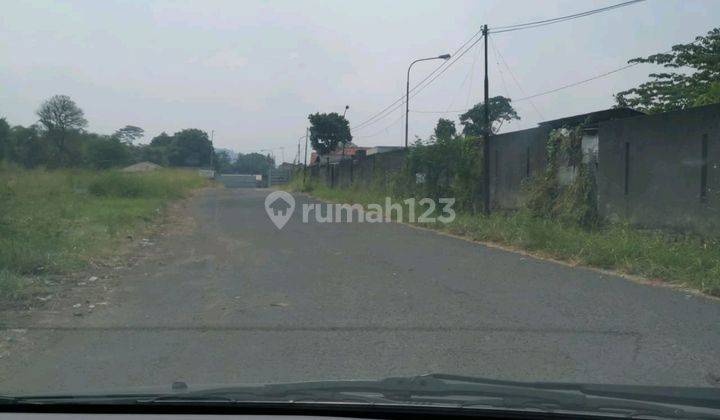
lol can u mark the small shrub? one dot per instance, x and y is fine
(12, 286)
(116, 184)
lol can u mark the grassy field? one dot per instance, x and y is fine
(53, 222)
(685, 260)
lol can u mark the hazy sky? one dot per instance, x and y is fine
(253, 70)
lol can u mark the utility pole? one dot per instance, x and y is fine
(212, 155)
(487, 133)
(343, 149)
(307, 137)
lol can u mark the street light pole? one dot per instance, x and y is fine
(407, 90)
(307, 137)
(343, 149)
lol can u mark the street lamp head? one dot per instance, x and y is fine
(444, 56)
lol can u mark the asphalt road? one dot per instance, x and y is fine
(227, 298)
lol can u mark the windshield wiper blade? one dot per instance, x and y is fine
(469, 392)
(442, 391)
(4, 399)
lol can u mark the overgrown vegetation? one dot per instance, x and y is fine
(444, 167)
(574, 204)
(53, 222)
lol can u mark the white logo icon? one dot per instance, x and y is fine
(279, 205)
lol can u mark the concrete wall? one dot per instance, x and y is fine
(239, 181)
(364, 170)
(514, 157)
(650, 169)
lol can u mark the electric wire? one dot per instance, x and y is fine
(389, 109)
(539, 23)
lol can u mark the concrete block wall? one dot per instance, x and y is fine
(662, 170)
(515, 157)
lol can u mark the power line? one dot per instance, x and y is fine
(469, 76)
(467, 98)
(502, 78)
(539, 23)
(439, 70)
(498, 53)
(547, 92)
(385, 112)
(457, 57)
(384, 130)
(389, 109)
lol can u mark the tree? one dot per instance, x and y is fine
(129, 134)
(4, 139)
(161, 140)
(154, 154)
(694, 78)
(327, 131)
(106, 152)
(28, 147)
(222, 161)
(253, 163)
(59, 115)
(445, 129)
(501, 111)
(190, 147)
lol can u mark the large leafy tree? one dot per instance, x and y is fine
(445, 129)
(190, 147)
(129, 134)
(692, 78)
(222, 162)
(500, 112)
(162, 140)
(253, 163)
(60, 115)
(106, 152)
(157, 150)
(28, 147)
(327, 131)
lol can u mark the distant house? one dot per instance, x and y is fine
(141, 167)
(337, 155)
(351, 151)
(382, 149)
(287, 166)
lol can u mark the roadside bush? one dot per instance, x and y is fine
(449, 167)
(116, 184)
(300, 183)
